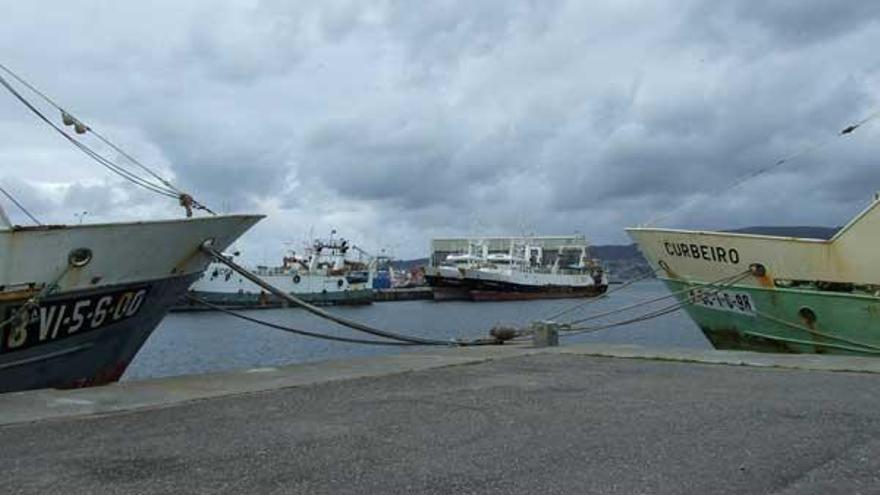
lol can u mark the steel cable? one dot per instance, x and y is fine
(304, 333)
(637, 304)
(19, 205)
(602, 296)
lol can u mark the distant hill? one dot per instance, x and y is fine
(799, 231)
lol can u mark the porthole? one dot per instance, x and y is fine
(807, 315)
(79, 257)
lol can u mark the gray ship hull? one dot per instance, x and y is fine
(86, 356)
(232, 300)
(77, 302)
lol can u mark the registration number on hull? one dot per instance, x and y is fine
(736, 302)
(56, 320)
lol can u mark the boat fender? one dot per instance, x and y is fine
(339, 283)
(296, 279)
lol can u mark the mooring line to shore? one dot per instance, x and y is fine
(726, 281)
(321, 313)
(297, 331)
(587, 302)
(718, 285)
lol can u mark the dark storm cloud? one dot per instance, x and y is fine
(794, 23)
(396, 121)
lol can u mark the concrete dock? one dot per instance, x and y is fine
(508, 419)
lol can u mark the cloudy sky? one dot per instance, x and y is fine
(397, 121)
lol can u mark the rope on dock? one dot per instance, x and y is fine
(207, 247)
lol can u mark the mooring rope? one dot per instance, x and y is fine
(21, 207)
(718, 286)
(35, 300)
(304, 333)
(731, 278)
(592, 300)
(818, 333)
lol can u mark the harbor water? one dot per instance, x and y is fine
(188, 343)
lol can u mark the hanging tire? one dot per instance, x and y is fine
(296, 279)
(339, 283)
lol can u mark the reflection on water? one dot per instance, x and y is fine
(186, 343)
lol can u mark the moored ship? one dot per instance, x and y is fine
(324, 275)
(529, 268)
(79, 301)
(776, 294)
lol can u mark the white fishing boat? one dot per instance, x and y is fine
(528, 269)
(326, 274)
(79, 301)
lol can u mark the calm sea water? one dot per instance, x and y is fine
(186, 343)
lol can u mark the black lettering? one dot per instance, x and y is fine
(704, 251)
(668, 249)
(695, 251)
(734, 256)
(722, 254)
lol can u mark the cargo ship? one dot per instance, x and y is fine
(772, 293)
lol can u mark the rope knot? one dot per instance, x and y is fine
(187, 202)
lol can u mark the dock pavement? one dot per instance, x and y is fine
(492, 420)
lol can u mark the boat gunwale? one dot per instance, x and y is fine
(50, 228)
(718, 233)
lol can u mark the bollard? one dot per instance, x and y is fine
(545, 334)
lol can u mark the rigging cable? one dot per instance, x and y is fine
(731, 279)
(604, 295)
(719, 285)
(19, 205)
(85, 149)
(763, 170)
(163, 187)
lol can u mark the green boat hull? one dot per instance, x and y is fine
(784, 320)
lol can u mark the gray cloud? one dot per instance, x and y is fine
(396, 121)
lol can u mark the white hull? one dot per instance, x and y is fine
(220, 279)
(522, 278)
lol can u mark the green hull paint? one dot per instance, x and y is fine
(848, 323)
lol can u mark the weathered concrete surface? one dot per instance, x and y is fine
(548, 422)
(53, 404)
